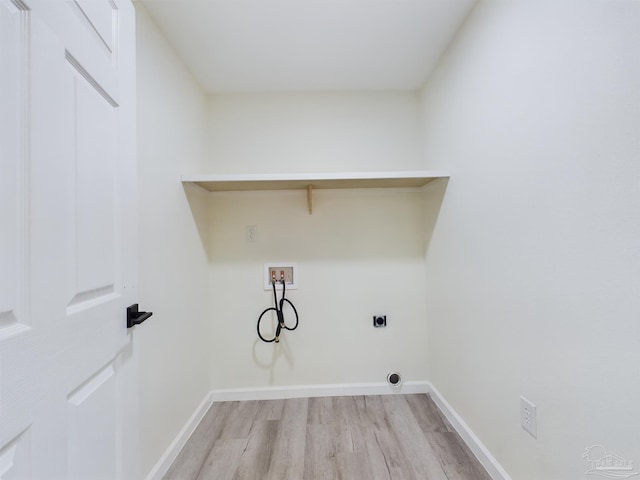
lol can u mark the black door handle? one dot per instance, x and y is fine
(135, 317)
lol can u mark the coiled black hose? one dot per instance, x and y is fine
(278, 309)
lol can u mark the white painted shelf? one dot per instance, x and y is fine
(310, 181)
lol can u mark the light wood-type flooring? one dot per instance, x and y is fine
(389, 437)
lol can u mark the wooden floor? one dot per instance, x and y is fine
(390, 437)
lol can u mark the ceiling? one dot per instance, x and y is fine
(309, 45)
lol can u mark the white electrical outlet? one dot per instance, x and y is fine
(528, 417)
(251, 233)
(286, 270)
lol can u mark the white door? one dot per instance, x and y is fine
(67, 239)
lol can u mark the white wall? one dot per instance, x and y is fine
(314, 132)
(173, 345)
(533, 270)
(361, 253)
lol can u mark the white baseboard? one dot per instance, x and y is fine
(169, 456)
(305, 391)
(481, 452)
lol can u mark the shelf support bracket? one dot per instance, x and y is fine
(310, 198)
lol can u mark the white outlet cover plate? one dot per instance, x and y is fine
(290, 285)
(529, 417)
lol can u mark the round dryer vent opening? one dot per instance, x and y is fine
(394, 379)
